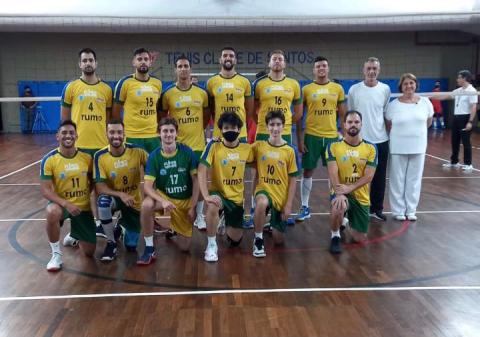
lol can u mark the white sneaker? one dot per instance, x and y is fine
(200, 222)
(69, 241)
(221, 225)
(450, 165)
(55, 263)
(412, 217)
(400, 217)
(467, 168)
(211, 253)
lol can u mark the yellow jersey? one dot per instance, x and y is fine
(321, 101)
(276, 95)
(139, 100)
(89, 104)
(228, 168)
(229, 95)
(121, 173)
(351, 162)
(186, 106)
(275, 165)
(70, 176)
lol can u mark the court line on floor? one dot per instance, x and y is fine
(20, 169)
(293, 214)
(235, 291)
(446, 160)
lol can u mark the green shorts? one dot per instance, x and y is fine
(233, 212)
(358, 215)
(149, 144)
(130, 219)
(316, 149)
(82, 226)
(264, 136)
(91, 152)
(275, 214)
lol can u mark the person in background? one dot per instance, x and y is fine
(29, 110)
(438, 122)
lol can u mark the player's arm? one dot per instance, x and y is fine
(256, 108)
(206, 117)
(202, 183)
(116, 110)
(149, 190)
(48, 192)
(192, 212)
(301, 136)
(250, 108)
(473, 111)
(65, 113)
(103, 188)
(297, 112)
(338, 198)
(108, 112)
(366, 179)
(292, 186)
(211, 105)
(342, 110)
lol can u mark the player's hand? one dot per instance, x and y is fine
(127, 199)
(302, 148)
(468, 127)
(192, 213)
(286, 212)
(214, 200)
(340, 202)
(167, 206)
(72, 209)
(343, 189)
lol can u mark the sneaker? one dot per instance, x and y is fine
(211, 253)
(55, 263)
(411, 217)
(117, 232)
(290, 222)
(200, 222)
(467, 167)
(378, 215)
(450, 165)
(335, 247)
(344, 224)
(170, 234)
(259, 248)
(400, 217)
(110, 252)
(99, 232)
(69, 241)
(303, 213)
(148, 256)
(248, 223)
(221, 225)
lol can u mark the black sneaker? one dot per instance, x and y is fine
(378, 215)
(99, 232)
(335, 247)
(110, 252)
(259, 248)
(117, 232)
(170, 234)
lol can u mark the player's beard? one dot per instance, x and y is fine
(353, 131)
(143, 69)
(116, 143)
(228, 65)
(88, 71)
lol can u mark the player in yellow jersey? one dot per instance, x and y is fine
(229, 91)
(277, 92)
(117, 171)
(65, 175)
(227, 159)
(87, 101)
(188, 105)
(321, 98)
(351, 167)
(277, 168)
(138, 95)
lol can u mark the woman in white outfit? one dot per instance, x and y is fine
(408, 118)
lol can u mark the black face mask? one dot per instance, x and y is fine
(230, 136)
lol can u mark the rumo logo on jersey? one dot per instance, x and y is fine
(170, 164)
(176, 189)
(72, 167)
(352, 153)
(272, 154)
(120, 163)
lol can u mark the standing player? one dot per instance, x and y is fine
(65, 175)
(188, 105)
(351, 166)
(117, 172)
(230, 92)
(371, 97)
(170, 185)
(87, 101)
(227, 159)
(276, 164)
(277, 92)
(322, 99)
(138, 94)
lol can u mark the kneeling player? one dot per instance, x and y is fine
(171, 186)
(276, 164)
(227, 159)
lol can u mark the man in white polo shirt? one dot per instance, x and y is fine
(463, 117)
(370, 97)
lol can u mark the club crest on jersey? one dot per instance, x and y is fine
(72, 167)
(63, 175)
(113, 174)
(224, 162)
(170, 164)
(264, 157)
(219, 90)
(163, 172)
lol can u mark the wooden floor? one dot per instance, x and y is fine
(410, 279)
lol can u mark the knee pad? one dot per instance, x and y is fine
(104, 204)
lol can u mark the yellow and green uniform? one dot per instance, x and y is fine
(229, 95)
(275, 165)
(139, 100)
(276, 95)
(352, 161)
(321, 102)
(121, 173)
(187, 106)
(173, 181)
(71, 180)
(89, 104)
